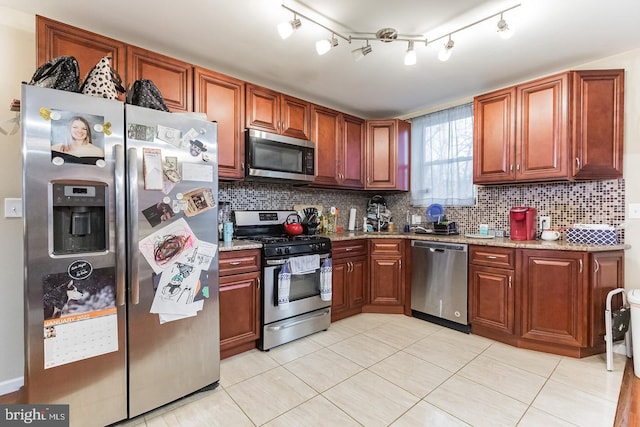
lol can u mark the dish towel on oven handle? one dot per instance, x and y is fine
(326, 271)
(304, 264)
(284, 284)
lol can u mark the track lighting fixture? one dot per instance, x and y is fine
(388, 35)
(445, 52)
(285, 29)
(361, 52)
(410, 56)
(325, 45)
(503, 29)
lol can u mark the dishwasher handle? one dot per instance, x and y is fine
(439, 247)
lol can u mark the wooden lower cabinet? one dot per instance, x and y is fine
(491, 290)
(239, 298)
(554, 297)
(349, 259)
(553, 301)
(386, 276)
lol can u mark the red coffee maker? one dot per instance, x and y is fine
(523, 224)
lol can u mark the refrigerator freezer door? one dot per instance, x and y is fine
(75, 337)
(169, 360)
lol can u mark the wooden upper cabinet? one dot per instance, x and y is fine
(57, 39)
(542, 129)
(339, 140)
(494, 136)
(387, 155)
(598, 131)
(326, 133)
(174, 78)
(222, 99)
(352, 153)
(562, 127)
(522, 133)
(274, 112)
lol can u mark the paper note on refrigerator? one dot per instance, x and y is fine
(197, 172)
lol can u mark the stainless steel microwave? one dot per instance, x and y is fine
(276, 157)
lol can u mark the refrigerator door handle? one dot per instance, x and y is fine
(132, 194)
(121, 255)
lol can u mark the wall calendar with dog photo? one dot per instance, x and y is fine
(80, 316)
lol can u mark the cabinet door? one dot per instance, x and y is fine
(173, 78)
(554, 298)
(607, 273)
(295, 117)
(222, 99)
(598, 124)
(387, 155)
(357, 280)
(239, 310)
(339, 289)
(494, 137)
(352, 153)
(492, 298)
(542, 131)
(326, 134)
(262, 109)
(57, 39)
(386, 284)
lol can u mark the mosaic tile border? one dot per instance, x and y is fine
(593, 202)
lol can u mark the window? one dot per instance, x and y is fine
(442, 158)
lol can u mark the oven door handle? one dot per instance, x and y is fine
(283, 260)
(299, 319)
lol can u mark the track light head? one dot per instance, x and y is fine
(410, 56)
(503, 29)
(285, 29)
(445, 52)
(325, 45)
(361, 52)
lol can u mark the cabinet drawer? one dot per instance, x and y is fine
(492, 256)
(386, 246)
(348, 248)
(235, 262)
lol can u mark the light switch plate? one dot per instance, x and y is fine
(12, 208)
(634, 210)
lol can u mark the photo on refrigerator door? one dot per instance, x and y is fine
(76, 137)
(80, 316)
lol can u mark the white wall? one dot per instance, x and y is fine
(17, 50)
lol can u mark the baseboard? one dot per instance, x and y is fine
(10, 386)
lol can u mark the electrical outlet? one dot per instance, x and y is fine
(634, 210)
(544, 222)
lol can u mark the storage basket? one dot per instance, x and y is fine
(592, 236)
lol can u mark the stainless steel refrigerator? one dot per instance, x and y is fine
(121, 260)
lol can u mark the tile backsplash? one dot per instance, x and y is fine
(599, 202)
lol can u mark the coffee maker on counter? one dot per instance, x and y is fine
(523, 223)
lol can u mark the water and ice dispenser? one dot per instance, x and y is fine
(79, 217)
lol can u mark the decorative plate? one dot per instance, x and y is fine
(435, 212)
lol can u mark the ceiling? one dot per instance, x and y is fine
(239, 38)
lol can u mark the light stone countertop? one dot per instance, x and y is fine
(561, 245)
(496, 241)
(238, 245)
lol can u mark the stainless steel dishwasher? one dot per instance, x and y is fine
(439, 283)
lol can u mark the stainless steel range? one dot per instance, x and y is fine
(306, 312)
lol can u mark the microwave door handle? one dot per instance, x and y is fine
(132, 174)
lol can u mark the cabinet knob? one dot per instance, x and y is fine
(597, 266)
(491, 257)
(577, 163)
(234, 263)
(258, 283)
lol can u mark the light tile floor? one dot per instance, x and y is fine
(394, 370)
